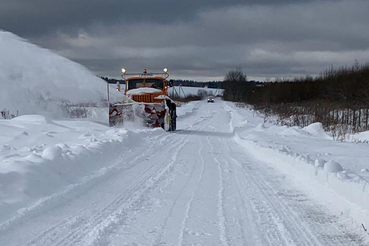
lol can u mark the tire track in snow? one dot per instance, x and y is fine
(220, 214)
(189, 180)
(275, 214)
(66, 223)
(174, 204)
(248, 192)
(114, 212)
(176, 196)
(70, 222)
(101, 233)
(242, 213)
(280, 217)
(61, 199)
(186, 186)
(46, 203)
(282, 220)
(188, 206)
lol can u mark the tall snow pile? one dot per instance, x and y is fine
(34, 80)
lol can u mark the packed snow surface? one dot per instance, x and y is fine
(223, 178)
(38, 81)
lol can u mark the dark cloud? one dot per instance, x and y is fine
(37, 17)
(197, 39)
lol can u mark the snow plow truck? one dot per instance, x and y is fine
(145, 100)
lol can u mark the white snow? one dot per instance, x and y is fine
(332, 167)
(224, 178)
(316, 129)
(328, 170)
(183, 91)
(52, 153)
(34, 80)
(361, 137)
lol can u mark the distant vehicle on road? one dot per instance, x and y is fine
(211, 99)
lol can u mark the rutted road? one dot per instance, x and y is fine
(196, 186)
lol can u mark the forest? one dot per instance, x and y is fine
(338, 98)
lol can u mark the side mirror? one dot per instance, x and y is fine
(171, 83)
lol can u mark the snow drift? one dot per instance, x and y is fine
(34, 80)
(330, 171)
(40, 156)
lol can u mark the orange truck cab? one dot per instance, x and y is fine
(148, 93)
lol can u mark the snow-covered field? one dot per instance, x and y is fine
(183, 91)
(224, 178)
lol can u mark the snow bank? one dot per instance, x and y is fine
(52, 156)
(332, 167)
(34, 80)
(41, 158)
(361, 137)
(324, 180)
(292, 131)
(186, 109)
(306, 156)
(316, 129)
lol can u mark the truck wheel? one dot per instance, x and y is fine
(170, 118)
(167, 120)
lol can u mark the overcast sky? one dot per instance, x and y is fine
(197, 39)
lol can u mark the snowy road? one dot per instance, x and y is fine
(196, 186)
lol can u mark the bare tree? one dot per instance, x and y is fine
(235, 76)
(234, 85)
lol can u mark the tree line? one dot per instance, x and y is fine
(339, 98)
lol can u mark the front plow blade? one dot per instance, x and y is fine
(150, 115)
(120, 113)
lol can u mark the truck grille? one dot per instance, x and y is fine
(147, 98)
(143, 98)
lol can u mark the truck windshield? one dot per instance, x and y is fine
(138, 83)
